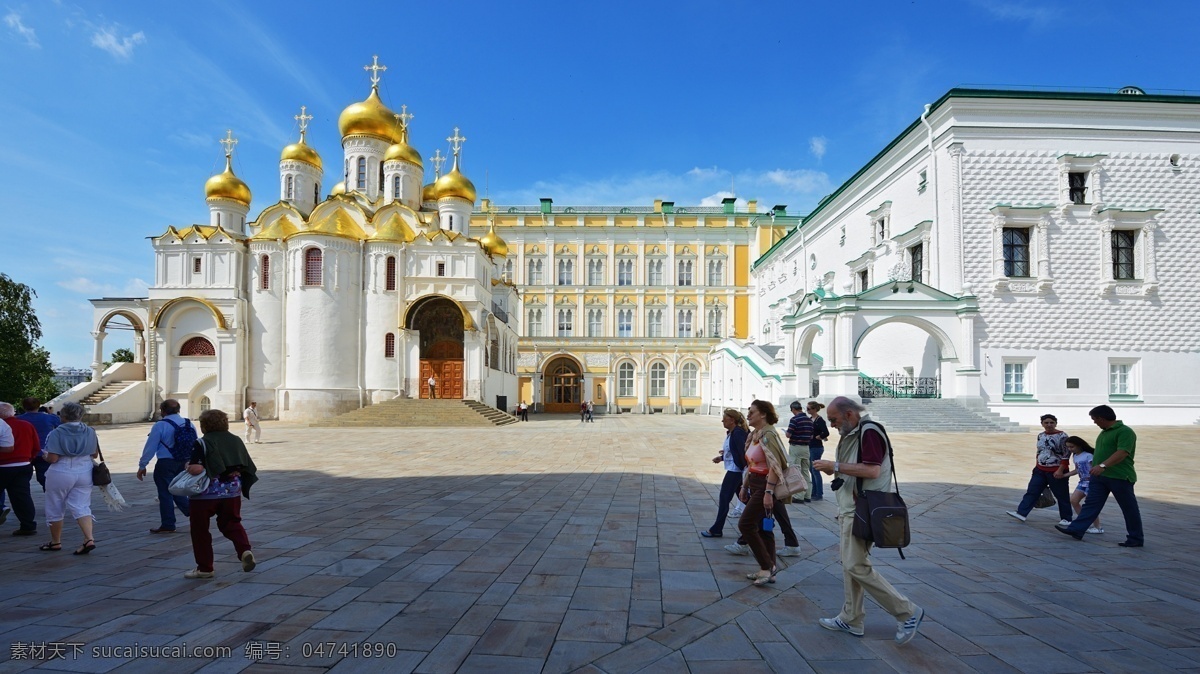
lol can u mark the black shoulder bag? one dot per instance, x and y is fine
(881, 517)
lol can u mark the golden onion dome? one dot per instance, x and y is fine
(429, 193)
(369, 118)
(402, 151)
(339, 188)
(492, 243)
(454, 184)
(227, 186)
(300, 151)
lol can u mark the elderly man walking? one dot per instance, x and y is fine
(170, 445)
(863, 453)
(16, 467)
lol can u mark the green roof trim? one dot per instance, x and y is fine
(752, 365)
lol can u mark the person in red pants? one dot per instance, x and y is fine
(231, 472)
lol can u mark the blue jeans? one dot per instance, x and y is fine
(1058, 486)
(818, 488)
(729, 489)
(1097, 495)
(165, 470)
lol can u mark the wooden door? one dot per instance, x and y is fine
(449, 375)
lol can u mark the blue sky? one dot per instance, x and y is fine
(111, 111)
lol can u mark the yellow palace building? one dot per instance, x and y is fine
(622, 306)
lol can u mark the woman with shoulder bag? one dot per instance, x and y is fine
(231, 472)
(765, 462)
(733, 455)
(70, 449)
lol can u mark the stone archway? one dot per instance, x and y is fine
(562, 385)
(441, 325)
(901, 357)
(136, 324)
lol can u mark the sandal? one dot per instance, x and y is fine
(87, 547)
(761, 580)
(50, 547)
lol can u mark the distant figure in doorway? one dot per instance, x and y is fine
(432, 386)
(250, 416)
(1083, 467)
(816, 447)
(1052, 455)
(590, 409)
(1112, 473)
(524, 411)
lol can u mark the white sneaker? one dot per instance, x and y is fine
(1064, 523)
(837, 625)
(738, 549)
(737, 512)
(1095, 530)
(1013, 513)
(906, 630)
(789, 552)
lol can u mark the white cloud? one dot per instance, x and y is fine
(13, 21)
(1035, 14)
(817, 145)
(716, 199)
(134, 287)
(121, 48)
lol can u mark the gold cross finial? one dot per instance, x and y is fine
(303, 119)
(375, 69)
(438, 161)
(404, 117)
(456, 141)
(228, 141)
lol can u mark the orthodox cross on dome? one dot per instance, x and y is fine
(438, 161)
(228, 141)
(375, 69)
(303, 118)
(456, 141)
(404, 117)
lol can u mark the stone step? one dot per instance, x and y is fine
(936, 415)
(403, 412)
(105, 392)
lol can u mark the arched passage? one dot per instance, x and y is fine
(126, 322)
(562, 382)
(901, 356)
(441, 325)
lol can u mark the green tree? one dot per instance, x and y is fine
(24, 365)
(122, 356)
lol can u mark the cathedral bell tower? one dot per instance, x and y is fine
(455, 193)
(227, 195)
(368, 130)
(300, 170)
(402, 167)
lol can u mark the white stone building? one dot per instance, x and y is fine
(1024, 251)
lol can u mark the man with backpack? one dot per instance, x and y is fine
(170, 444)
(863, 452)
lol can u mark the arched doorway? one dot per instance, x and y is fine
(441, 326)
(562, 379)
(901, 357)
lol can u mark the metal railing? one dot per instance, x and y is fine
(898, 385)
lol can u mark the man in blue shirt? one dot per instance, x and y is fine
(43, 423)
(158, 446)
(799, 433)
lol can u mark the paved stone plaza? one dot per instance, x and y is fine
(553, 546)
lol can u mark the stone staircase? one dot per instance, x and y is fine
(105, 392)
(407, 412)
(936, 415)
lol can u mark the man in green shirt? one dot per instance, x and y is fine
(1112, 472)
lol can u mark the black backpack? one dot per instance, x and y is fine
(185, 439)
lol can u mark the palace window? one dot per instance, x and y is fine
(566, 272)
(566, 322)
(596, 272)
(507, 274)
(625, 272)
(264, 273)
(658, 380)
(595, 323)
(1016, 252)
(535, 322)
(716, 273)
(625, 323)
(197, 346)
(389, 345)
(685, 323)
(312, 267)
(1018, 378)
(916, 262)
(535, 273)
(362, 173)
(1123, 267)
(290, 189)
(654, 272)
(654, 326)
(1128, 265)
(689, 381)
(716, 320)
(685, 273)
(625, 380)
(864, 280)
(390, 273)
(880, 226)
(1122, 377)
(1077, 186)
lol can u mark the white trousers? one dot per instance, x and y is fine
(68, 490)
(251, 426)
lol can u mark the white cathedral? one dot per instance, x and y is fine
(1015, 251)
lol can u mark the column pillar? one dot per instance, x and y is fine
(98, 354)
(139, 348)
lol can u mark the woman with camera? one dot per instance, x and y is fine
(765, 462)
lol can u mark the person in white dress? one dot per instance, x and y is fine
(251, 418)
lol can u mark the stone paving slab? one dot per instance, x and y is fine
(554, 547)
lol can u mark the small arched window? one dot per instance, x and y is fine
(688, 381)
(205, 404)
(264, 273)
(289, 188)
(396, 187)
(658, 380)
(197, 346)
(390, 273)
(389, 345)
(625, 380)
(380, 183)
(317, 193)
(362, 173)
(312, 267)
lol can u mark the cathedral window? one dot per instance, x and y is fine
(317, 193)
(715, 322)
(685, 323)
(362, 173)
(290, 188)
(196, 265)
(658, 380)
(264, 273)
(389, 345)
(312, 267)
(197, 346)
(595, 323)
(566, 272)
(381, 183)
(396, 187)
(689, 377)
(535, 322)
(625, 380)
(716, 273)
(596, 272)
(625, 323)
(1016, 252)
(566, 322)
(441, 269)
(654, 269)
(390, 273)
(685, 273)
(535, 273)
(625, 272)
(654, 323)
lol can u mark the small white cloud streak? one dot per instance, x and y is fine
(1036, 15)
(13, 21)
(134, 287)
(121, 48)
(817, 145)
